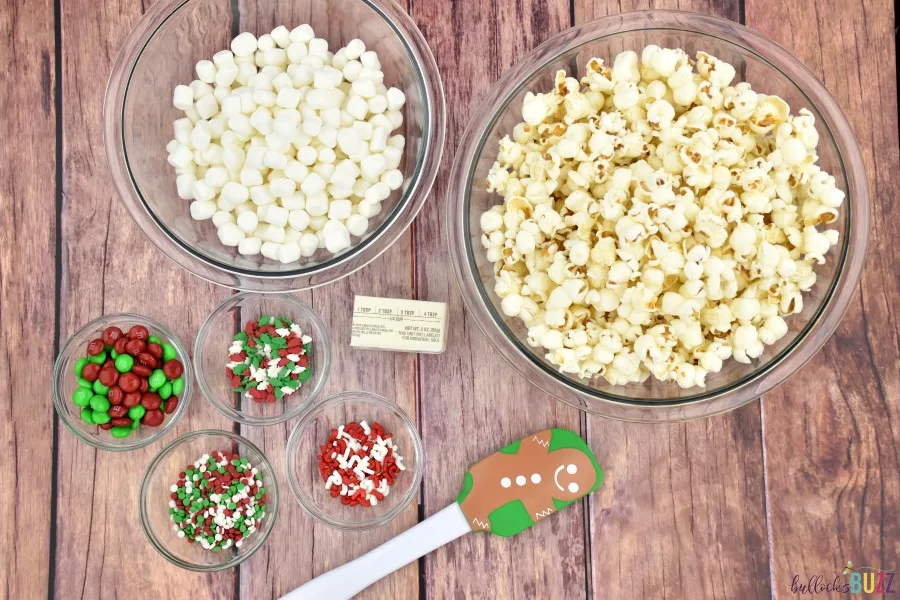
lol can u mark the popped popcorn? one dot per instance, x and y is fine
(657, 218)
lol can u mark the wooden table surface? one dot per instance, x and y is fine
(797, 483)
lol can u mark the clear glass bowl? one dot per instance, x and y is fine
(154, 500)
(161, 52)
(65, 382)
(770, 69)
(313, 430)
(216, 335)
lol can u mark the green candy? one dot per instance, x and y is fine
(154, 339)
(99, 388)
(82, 397)
(165, 390)
(178, 386)
(135, 423)
(100, 417)
(124, 363)
(99, 403)
(169, 352)
(120, 432)
(82, 382)
(136, 412)
(98, 359)
(156, 379)
(87, 416)
(79, 365)
(113, 354)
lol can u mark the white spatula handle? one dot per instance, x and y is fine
(350, 579)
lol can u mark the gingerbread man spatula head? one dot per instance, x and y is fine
(505, 493)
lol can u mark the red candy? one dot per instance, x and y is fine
(138, 332)
(95, 347)
(111, 335)
(91, 371)
(173, 369)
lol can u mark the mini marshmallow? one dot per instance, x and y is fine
(247, 221)
(183, 97)
(395, 99)
(289, 253)
(339, 209)
(202, 210)
(250, 246)
(298, 219)
(244, 45)
(230, 234)
(372, 166)
(357, 224)
(309, 243)
(354, 49)
(317, 204)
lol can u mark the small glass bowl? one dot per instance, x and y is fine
(65, 382)
(154, 500)
(216, 336)
(314, 429)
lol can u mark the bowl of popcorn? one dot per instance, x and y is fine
(278, 146)
(658, 216)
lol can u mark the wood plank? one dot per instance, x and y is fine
(300, 548)
(831, 434)
(108, 267)
(27, 288)
(472, 402)
(682, 512)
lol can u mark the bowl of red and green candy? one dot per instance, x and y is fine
(121, 382)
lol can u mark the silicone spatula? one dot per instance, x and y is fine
(505, 493)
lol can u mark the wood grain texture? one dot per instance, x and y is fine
(682, 512)
(299, 547)
(108, 266)
(832, 432)
(471, 401)
(27, 288)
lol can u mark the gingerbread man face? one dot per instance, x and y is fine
(574, 475)
(525, 482)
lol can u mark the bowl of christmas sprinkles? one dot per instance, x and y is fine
(208, 500)
(262, 358)
(354, 460)
(121, 382)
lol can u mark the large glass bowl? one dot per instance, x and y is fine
(770, 69)
(161, 52)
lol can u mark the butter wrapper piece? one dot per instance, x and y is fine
(399, 325)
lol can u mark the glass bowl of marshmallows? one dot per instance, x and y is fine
(274, 146)
(658, 216)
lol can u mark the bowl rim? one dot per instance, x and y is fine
(202, 335)
(271, 486)
(407, 207)
(297, 489)
(808, 342)
(60, 400)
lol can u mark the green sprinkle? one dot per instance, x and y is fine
(238, 369)
(241, 337)
(278, 393)
(304, 375)
(263, 321)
